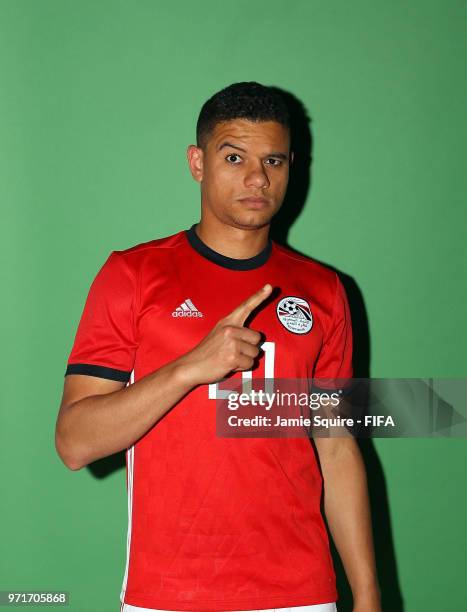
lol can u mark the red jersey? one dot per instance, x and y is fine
(217, 523)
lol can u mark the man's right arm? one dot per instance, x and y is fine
(99, 417)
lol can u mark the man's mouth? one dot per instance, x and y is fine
(253, 202)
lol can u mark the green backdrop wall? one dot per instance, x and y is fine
(98, 101)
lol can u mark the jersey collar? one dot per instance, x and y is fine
(227, 262)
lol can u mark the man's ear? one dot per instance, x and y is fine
(195, 162)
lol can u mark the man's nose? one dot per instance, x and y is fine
(257, 177)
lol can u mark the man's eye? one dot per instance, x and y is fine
(275, 162)
(229, 158)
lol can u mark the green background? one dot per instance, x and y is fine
(98, 101)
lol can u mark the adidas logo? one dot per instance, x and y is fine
(187, 309)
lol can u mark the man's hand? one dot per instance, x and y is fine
(229, 346)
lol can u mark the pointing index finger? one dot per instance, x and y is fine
(239, 315)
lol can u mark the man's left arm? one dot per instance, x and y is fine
(347, 509)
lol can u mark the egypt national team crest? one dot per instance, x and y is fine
(295, 314)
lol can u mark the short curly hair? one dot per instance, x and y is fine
(247, 100)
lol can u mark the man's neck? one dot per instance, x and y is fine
(231, 241)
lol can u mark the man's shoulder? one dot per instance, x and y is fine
(303, 264)
(168, 242)
(134, 256)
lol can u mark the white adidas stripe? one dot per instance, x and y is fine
(191, 305)
(187, 305)
(130, 454)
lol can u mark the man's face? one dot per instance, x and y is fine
(243, 170)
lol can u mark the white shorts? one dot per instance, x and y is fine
(327, 607)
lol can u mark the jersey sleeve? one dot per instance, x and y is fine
(335, 358)
(105, 342)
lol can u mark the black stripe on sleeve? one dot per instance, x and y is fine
(97, 370)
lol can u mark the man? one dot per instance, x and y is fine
(217, 523)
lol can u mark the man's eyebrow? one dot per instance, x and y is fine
(229, 144)
(274, 154)
(279, 155)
